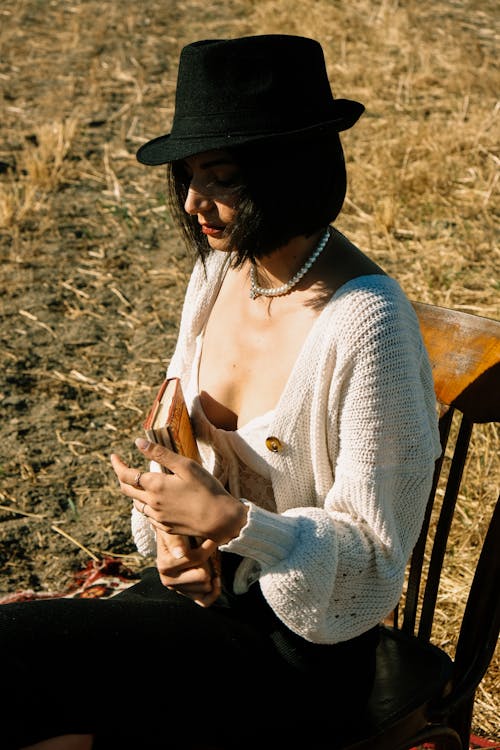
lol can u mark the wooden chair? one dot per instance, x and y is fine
(422, 694)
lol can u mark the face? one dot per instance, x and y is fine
(213, 181)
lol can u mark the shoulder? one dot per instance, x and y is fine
(373, 310)
(375, 289)
(372, 298)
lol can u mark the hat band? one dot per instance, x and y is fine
(247, 123)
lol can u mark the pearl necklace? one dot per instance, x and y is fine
(277, 291)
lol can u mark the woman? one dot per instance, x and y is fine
(312, 401)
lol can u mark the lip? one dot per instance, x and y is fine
(211, 230)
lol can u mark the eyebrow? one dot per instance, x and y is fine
(221, 161)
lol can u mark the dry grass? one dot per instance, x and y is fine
(92, 276)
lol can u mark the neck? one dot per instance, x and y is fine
(257, 290)
(279, 266)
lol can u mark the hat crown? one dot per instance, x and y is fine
(259, 76)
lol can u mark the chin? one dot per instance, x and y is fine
(219, 243)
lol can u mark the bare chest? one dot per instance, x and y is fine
(247, 359)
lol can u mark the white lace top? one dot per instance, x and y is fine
(239, 457)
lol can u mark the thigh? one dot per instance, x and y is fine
(146, 656)
(150, 669)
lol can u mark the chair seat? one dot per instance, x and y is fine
(410, 674)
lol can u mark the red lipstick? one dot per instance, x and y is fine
(211, 230)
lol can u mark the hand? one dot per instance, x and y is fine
(187, 570)
(187, 501)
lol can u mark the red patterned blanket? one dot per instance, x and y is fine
(101, 578)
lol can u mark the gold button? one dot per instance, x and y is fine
(273, 444)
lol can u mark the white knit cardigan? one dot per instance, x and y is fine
(357, 423)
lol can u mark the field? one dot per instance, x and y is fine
(92, 273)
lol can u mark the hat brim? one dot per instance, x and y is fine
(168, 148)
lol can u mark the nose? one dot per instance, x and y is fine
(196, 202)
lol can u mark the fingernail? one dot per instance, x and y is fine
(142, 444)
(178, 552)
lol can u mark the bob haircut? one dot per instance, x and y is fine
(289, 188)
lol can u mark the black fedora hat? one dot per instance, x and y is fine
(255, 88)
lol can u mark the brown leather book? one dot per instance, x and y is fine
(168, 423)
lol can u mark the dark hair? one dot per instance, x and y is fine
(290, 188)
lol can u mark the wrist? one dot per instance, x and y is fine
(236, 519)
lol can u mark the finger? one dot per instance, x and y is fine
(186, 568)
(190, 589)
(209, 546)
(122, 470)
(196, 580)
(204, 595)
(208, 599)
(128, 476)
(162, 455)
(175, 545)
(179, 546)
(201, 600)
(142, 507)
(118, 465)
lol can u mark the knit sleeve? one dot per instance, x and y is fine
(332, 571)
(143, 534)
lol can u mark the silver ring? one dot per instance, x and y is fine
(137, 481)
(143, 509)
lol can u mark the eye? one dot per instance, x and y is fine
(228, 182)
(227, 179)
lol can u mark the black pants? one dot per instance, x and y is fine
(148, 669)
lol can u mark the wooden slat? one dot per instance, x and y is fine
(464, 350)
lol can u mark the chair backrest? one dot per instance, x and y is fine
(464, 351)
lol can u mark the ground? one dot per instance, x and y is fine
(93, 271)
